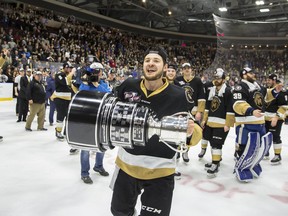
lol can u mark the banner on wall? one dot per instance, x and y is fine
(6, 91)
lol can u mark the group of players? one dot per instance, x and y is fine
(216, 107)
(248, 106)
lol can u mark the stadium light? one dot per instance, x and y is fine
(223, 9)
(259, 3)
(264, 10)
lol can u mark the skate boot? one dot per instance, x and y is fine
(202, 153)
(207, 166)
(177, 175)
(276, 160)
(59, 136)
(185, 157)
(212, 171)
(266, 156)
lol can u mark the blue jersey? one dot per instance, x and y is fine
(103, 87)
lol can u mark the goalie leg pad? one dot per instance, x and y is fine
(246, 159)
(244, 175)
(244, 163)
(266, 143)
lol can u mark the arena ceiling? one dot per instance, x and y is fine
(187, 16)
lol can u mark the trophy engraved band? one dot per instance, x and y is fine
(99, 121)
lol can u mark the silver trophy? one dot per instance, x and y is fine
(99, 121)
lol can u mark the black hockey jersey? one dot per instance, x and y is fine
(277, 106)
(248, 97)
(155, 159)
(218, 109)
(195, 89)
(63, 86)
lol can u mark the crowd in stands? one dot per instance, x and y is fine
(34, 36)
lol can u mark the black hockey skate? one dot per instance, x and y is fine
(202, 153)
(211, 172)
(276, 160)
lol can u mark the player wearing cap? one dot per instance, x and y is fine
(217, 120)
(274, 118)
(251, 138)
(195, 89)
(150, 168)
(171, 74)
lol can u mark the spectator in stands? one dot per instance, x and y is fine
(3, 77)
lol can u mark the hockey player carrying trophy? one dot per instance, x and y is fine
(252, 140)
(146, 120)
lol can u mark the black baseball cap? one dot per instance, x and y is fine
(245, 71)
(157, 50)
(272, 77)
(67, 65)
(172, 66)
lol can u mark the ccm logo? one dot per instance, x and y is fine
(150, 209)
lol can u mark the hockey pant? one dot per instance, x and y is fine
(156, 197)
(248, 165)
(276, 131)
(62, 110)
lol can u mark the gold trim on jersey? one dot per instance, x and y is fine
(144, 166)
(196, 136)
(188, 80)
(69, 79)
(269, 96)
(249, 120)
(281, 111)
(230, 119)
(201, 105)
(240, 107)
(157, 91)
(205, 116)
(214, 119)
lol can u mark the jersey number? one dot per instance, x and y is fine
(237, 96)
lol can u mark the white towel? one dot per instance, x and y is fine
(213, 91)
(252, 86)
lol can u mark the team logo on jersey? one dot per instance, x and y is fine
(181, 83)
(258, 99)
(238, 87)
(132, 96)
(189, 93)
(215, 104)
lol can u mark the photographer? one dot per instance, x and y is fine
(91, 81)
